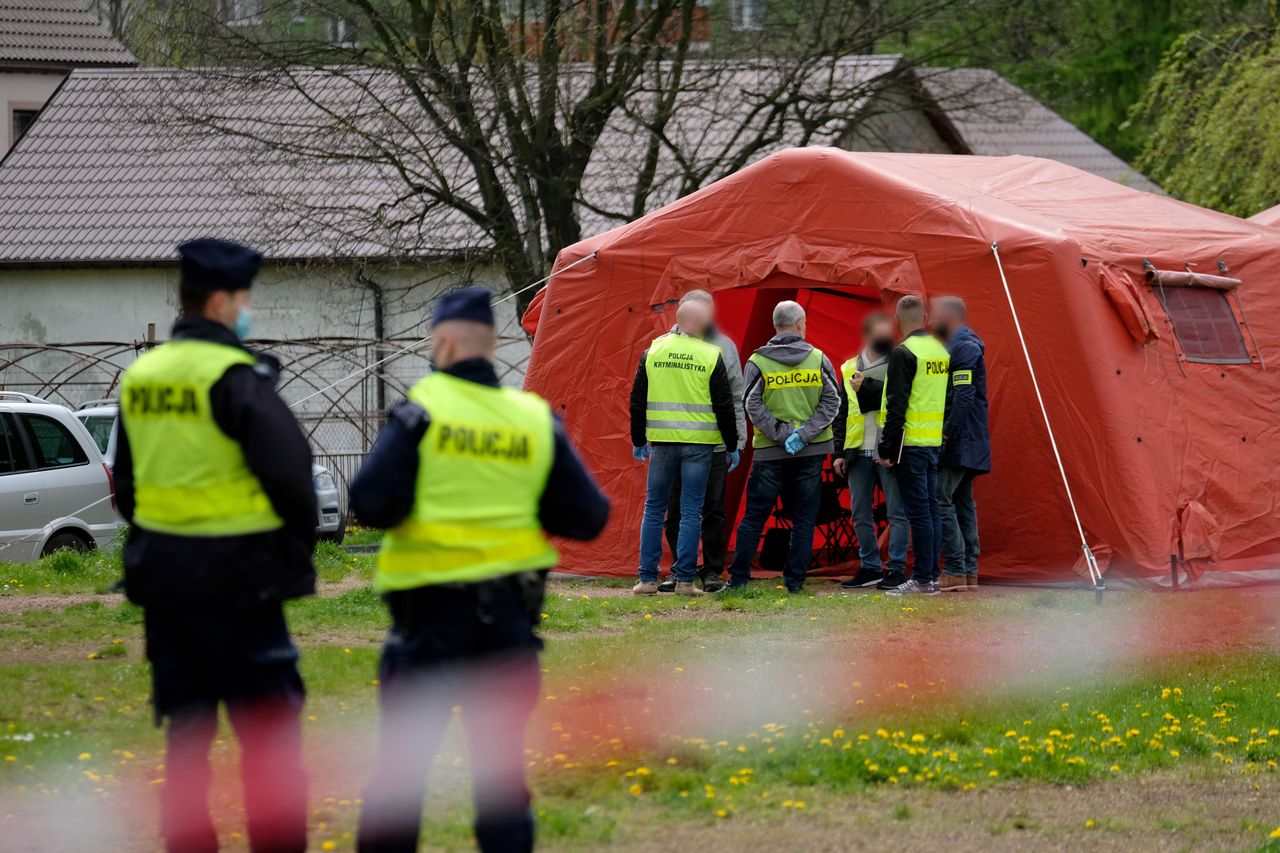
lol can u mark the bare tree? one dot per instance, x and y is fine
(513, 127)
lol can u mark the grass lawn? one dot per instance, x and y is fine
(824, 721)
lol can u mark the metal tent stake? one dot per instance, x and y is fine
(1090, 561)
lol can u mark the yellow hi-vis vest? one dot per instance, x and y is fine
(927, 404)
(856, 422)
(190, 478)
(791, 393)
(483, 466)
(679, 409)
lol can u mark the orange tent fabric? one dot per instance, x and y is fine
(1165, 456)
(1269, 217)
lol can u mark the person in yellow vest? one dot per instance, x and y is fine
(681, 410)
(214, 474)
(856, 432)
(917, 390)
(792, 397)
(468, 478)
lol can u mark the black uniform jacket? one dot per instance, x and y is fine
(163, 570)
(383, 491)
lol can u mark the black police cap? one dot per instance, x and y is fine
(212, 264)
(466, 303)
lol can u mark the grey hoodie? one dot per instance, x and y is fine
(790, 349)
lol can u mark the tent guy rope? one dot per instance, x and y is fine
(1090, 560)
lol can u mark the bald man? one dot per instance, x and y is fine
(681, 410)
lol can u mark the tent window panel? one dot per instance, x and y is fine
(1206, 328)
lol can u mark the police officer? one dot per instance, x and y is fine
(681, 410)
(214, 474)
(914, 405)
(792, 397)
(467, 476)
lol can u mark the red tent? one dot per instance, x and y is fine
(1153, 327)
(1269, 217)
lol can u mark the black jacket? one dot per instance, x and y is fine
(898, 381)
(383, 491)
(162, 570)
(721, 403)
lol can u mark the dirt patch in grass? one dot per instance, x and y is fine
(1163, 811)
(14, 604)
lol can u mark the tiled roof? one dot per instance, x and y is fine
(993, 117)
(57, 34)
(122, 165)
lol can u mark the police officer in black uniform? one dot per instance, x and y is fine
(214, 473)
(468, 476)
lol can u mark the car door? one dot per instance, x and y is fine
(69, 482)
(20, 512)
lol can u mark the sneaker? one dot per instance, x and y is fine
(930, 588)
(863, 578)
(733, 584)
(668, 584)
(893, 580)
(971, 583)
(645, 588)
(952, 583)
(687, 588)
(795, 588)
(910, 587)
(711, 582)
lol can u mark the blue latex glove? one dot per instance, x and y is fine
(794, 443)
(733, 457)
(641, 453)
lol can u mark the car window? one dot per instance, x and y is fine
(55, 446)
(100, 427)
(13, 456)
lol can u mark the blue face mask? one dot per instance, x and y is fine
(244, 323)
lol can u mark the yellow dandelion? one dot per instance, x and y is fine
(1090, 823)
(85, 756)
(636, 789)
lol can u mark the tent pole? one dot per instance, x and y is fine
(1091, 562)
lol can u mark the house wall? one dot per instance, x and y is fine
(894, 122)
(67, 333)
(22, 90)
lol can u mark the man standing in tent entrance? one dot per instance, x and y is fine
(966, 453)
(468, 476)
(792, 396)
(713, 509)
(681, 409)
(214, 473)
(857, 431)
(914, 407)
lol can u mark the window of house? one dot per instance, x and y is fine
(22, 120)
(748, 14)
(240, 13)
(55, 446)
(1205, 325)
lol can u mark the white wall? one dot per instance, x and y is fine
(317, 318)
(22, 90)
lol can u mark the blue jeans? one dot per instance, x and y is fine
(799, 482)
(864, 473)
(692, 463)
(959, 515)
(917, 475)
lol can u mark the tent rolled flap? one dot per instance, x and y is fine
(844, 233)
(1187, 278)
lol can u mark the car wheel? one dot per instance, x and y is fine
(65, 541)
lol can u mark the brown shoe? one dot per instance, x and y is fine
(687, 588)
(643, 588)
(952, 583)
(971, 583)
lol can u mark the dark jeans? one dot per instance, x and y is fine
(468, 645)
(244, 658)
(691, 463)
(917, 475)
(959, 515)
(799, 482)
(713, 515)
